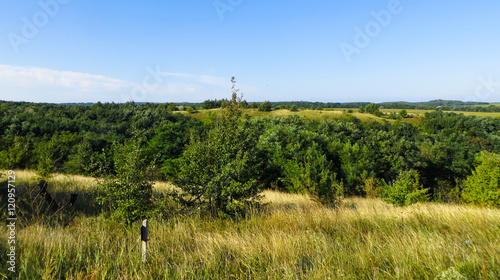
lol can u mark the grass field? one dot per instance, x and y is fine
(336, 114)
(291, 237)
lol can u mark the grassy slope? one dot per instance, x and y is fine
(290, 238)
(336, 113)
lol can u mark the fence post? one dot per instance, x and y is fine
(144, 239)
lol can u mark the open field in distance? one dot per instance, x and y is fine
(334, 113)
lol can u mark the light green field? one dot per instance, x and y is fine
(304, 114)
(291, 237)
(337, 113)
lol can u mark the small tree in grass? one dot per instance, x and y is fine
(403, 113)
(266, 107)
(406, 190)
(215, 173)
(127, 192)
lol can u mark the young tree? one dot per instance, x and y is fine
(128, 192)
(215, 173)
(483, 186)
(373, 109)
(406, 190)
(265, 107)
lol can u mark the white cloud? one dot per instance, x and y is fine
(46, 85)
(34, 76)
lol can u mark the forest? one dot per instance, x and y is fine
(226, 159)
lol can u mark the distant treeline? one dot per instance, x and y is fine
(446, 105)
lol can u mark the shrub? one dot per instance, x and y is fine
(483, 186)
(192, 109)
(265, 106)
(372, 108)
(215, 173)
(406, 189)
(128, 192)
(372, 186)
(312, 175)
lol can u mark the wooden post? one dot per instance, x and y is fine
(144, 239)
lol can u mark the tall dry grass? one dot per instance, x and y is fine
(291, 237)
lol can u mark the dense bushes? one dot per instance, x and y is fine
(227, 158)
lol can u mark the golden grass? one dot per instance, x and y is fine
(292, 237)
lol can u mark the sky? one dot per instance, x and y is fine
(61, 51)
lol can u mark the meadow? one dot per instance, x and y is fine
(336, 113)
(290, 237)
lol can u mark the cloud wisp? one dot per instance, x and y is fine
(46, 85)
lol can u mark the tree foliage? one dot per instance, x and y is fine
(483, 186)
(128, 192)
(406, 189)
(215, 172)
(291, 153)
(265, 106)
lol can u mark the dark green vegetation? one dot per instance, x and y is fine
(222, 164)
(226, 159)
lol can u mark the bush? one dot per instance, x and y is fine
(312, 175)
(265, 107)
(372, 108)
(406, 189)
(215, 173)
(372, 186)
(483, 186)
(128, 192)
(294, 108)
(192, 109)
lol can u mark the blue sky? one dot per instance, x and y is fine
(317, 50)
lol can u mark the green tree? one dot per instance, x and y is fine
(483, 186)
(372, 108)
(265, 106)
(406, 190)
(192, 109)
(128, 192)
(403, 113)
(313, 175)
(215, 173)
